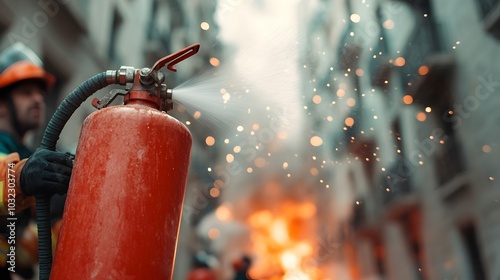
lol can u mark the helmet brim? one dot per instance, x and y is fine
(25, 70)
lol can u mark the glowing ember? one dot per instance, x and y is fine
(214, 61)
(349, 122)
(388, 24)
(421, 116)
(213, 233)
(351, 102)
(316, 141)
(400, 61)
(407, 99)
(210, 141)
(486, 148)
(214, 192)
(340, 92)
(223, 212)
(316, 99)
(423, 70)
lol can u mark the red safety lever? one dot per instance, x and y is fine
(175, 58)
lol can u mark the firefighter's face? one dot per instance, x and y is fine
(28, 100)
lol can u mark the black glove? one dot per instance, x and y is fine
(46, 173)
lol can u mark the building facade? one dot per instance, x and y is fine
(409, 91)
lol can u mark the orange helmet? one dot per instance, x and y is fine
(19, 63)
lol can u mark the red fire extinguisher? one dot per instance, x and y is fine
(123, 208)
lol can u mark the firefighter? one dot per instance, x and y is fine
(201, 270)
(23, 86)
(241, 268)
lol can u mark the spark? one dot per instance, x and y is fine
(316, 99)
(205, 26)
(210, 141)
(355, 18)
(486, 148)
(423, 70)
(349, 121)
(214, 192)
(421, 116)
(316, 141)
(214, 61)
(400, 61)
(407, 99)
(388, 24)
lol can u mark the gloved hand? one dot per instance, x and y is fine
(46, 172)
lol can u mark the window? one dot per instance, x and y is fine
(487, 6)
(490, 13)
(425, 41)
(412, 227)
(448, 152)
(397, 176)
(469, 238)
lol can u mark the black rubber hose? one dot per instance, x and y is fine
(49, 141)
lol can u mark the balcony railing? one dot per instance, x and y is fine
(397, 182)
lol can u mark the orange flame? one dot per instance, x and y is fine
(282, 242)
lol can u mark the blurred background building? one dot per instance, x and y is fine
(410, 88)
(394, 175)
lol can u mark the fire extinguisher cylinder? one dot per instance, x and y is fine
(124, 204)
